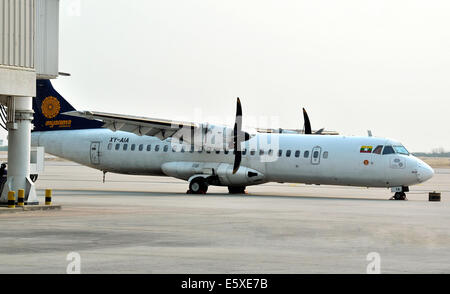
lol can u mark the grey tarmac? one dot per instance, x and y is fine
(137, 224)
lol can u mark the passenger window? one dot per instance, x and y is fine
(156, 148)
(133, 146)
(109, 146)
(125, 147)
(306, 155)
(297, 153)
(141, 147)
(325, 155)
(378, 149)
(149, 147)
(166, 148)
(288, 153)
(388, 150)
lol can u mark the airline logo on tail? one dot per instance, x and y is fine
(50, 109)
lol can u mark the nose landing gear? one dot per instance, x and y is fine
(399, 193)
(399, 196)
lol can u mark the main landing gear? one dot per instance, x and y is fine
(237, 190)
(399, 193)
(198, 186)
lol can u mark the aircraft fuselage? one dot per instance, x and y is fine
(310, 159)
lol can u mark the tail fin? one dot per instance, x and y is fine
(48, 106)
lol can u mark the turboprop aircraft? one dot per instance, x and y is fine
(204, 154)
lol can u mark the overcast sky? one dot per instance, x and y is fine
(353, 64)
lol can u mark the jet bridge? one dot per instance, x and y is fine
(28, 51)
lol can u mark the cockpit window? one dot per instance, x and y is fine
(378, 149)
(388, 150)
(401, 150)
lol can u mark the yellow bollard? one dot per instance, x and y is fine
(21, 197)
(11, 199)
(48, 197)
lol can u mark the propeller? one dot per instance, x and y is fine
(238, 137)
(307, 125)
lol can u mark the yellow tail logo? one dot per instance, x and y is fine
(50, 107)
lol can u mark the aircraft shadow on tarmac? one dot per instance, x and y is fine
(209, 195)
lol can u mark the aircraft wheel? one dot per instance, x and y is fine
(399, 196)
(236, 190)
(198, 186)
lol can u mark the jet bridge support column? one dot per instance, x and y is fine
(20, 115)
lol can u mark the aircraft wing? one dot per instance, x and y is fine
(296, 131)
(141, 126)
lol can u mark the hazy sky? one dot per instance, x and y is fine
(354, 65)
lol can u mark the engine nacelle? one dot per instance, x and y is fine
(220, 174)
(208, 137)
(243, 177)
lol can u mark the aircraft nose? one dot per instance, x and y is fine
(424, 171)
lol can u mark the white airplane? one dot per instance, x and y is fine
(205, 154)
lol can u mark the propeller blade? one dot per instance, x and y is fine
(237, 137)
(238, 108)
(237, 161)
(307, 123)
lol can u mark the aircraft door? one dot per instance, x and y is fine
(95, 152)
(315, 156)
